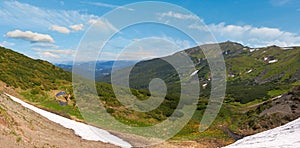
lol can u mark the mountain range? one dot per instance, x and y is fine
(262, 89)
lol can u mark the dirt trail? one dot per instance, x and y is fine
(21, 127)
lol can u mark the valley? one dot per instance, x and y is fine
(248, 107)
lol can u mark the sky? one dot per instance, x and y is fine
(54, 30)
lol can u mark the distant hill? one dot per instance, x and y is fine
(101, 69)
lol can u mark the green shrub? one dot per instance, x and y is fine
(110, 110)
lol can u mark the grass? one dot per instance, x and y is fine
(49, 103)
(37, 79)
(62, 110)
(274, 93)
(296, 83)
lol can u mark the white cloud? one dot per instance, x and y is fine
(107, 5)
(77, 27)
(30, 36)
(56, 51)
(178, 15)
(60, 29)
(252, 36)
(180, 43)
(47, 54)
(92, 21)
(44, 45)
(6, 44)
(103, 24)
(142, 49)
(66, 51)
(22, 15)
(60, 54)
(198, 27)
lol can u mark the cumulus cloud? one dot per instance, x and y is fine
(54, 53)
(178, 15)
(92, 21)
(47, 54)
(252, 36)
(30, 36)
(77, 27)
(60, 29)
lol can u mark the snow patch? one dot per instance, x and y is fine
(273, 61)
(286, 136)
(287, 48)
(254, 49)
(249, 71)
(85, 131)
(194, 73)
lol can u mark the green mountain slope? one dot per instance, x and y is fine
(251, 73)
(248, 94)
(20, 71)
(254, 77)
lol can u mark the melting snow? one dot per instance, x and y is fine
(273, 61)
(249, 71)
(195, 72)
(286, 48)
(85, 131)
(286, 136)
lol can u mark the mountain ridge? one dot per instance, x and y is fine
(237, 113)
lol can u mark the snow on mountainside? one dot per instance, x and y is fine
(83, 130)
(287, 136)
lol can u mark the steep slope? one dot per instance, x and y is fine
(251, 81)
(284, 136)
(21, 127)
(272, 113)
(253, 73)
(18, 70)
(254, 76)
(37, 81)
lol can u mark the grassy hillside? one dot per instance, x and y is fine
(18, 70)
(252, 79)
(38, 81)
(250, 72)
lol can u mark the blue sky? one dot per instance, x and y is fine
(52, 29)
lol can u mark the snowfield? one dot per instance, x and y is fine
(85, 131)
(287, 136)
